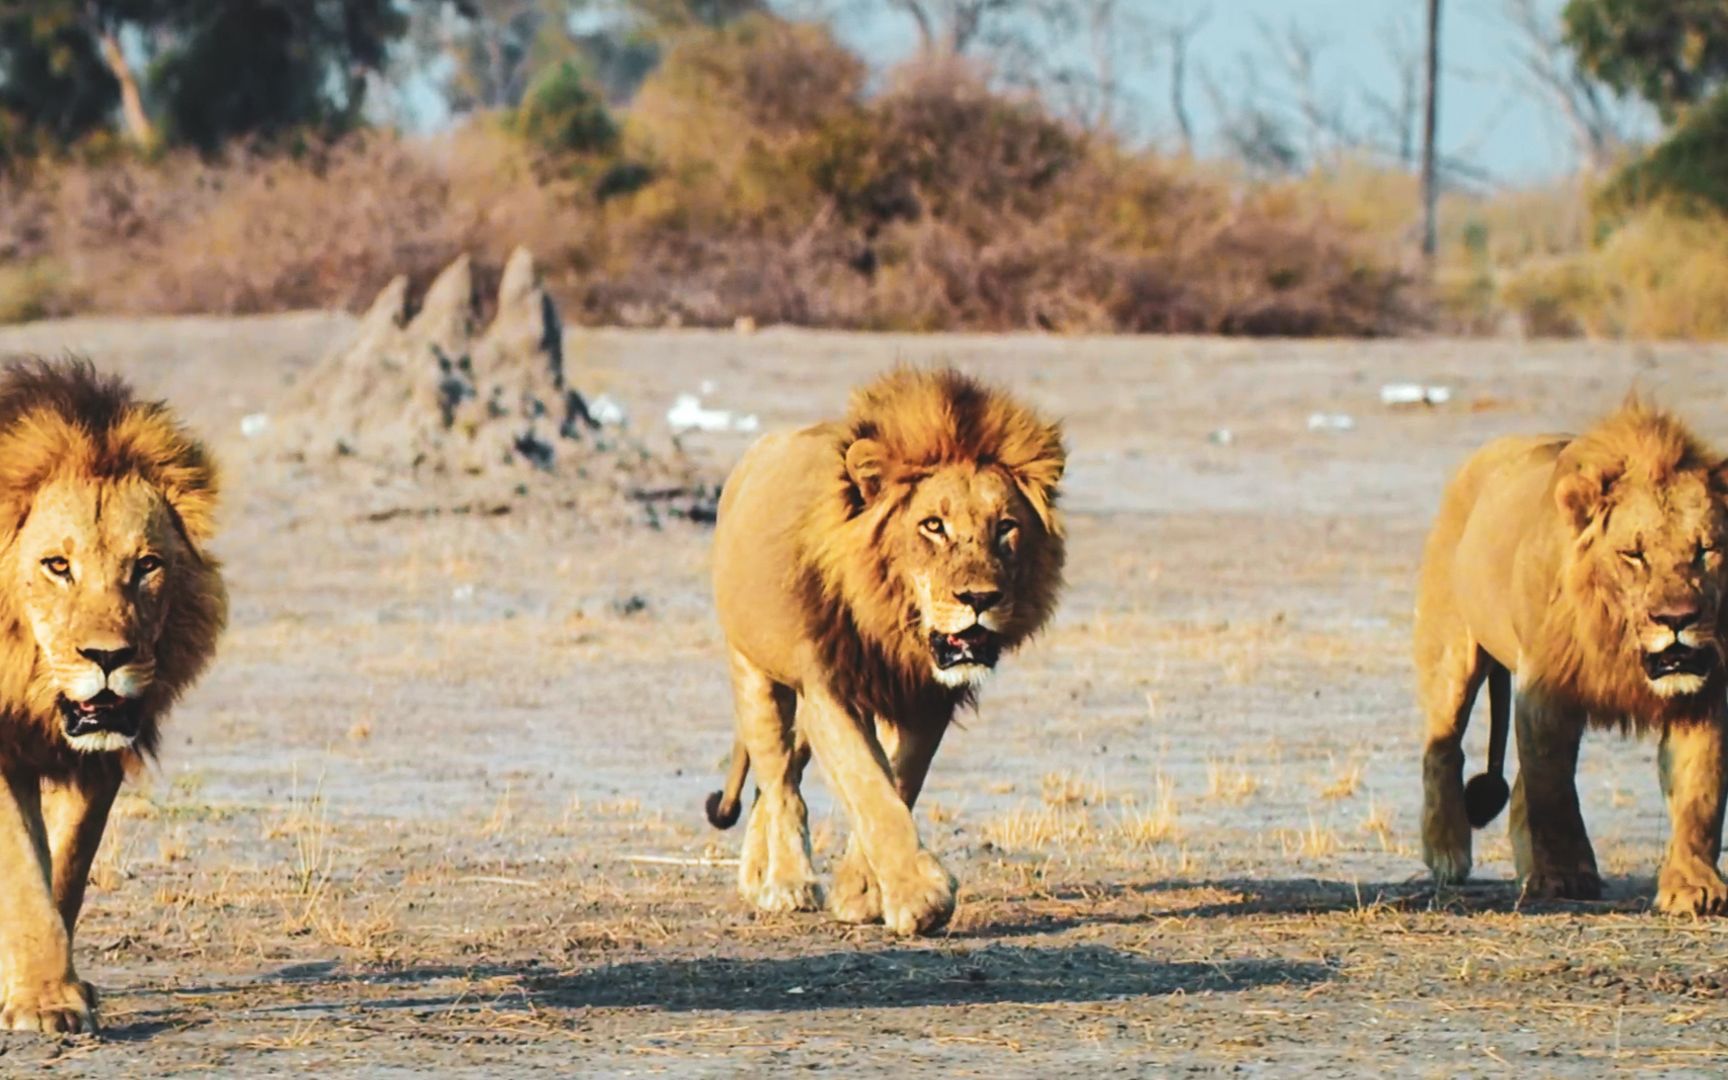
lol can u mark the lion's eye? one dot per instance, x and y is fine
(145, 566)
(1005, 528)
(1633, 556)
(58, 566)
(932, 526)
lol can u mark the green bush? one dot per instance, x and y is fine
(1689, 168)
(561, 116)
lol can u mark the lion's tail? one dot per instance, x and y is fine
(723, 804)
(1486, 793)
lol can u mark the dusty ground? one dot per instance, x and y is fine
(397, 829)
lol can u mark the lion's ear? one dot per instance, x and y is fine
(1719, 478)
(1579, 496)
(866, 463)
(1037, 479)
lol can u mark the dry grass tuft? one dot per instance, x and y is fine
(1377, 822)
(1230, 782)
(1036, 830)
(1314, 842)
(1147, 828)
(306, 821)
(1061, 789)
(1344, 785)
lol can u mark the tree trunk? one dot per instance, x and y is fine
(139, 130)
(1430, 121)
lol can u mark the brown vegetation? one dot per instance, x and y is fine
(757, 175)
(753, 177)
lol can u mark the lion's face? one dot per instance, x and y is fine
(961, 543)
(1655, 554)
(93, 565)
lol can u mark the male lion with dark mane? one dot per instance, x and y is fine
(876, 568)
(109, 607)
(1592, 569)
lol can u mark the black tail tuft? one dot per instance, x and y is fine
(1484, 797)
(722, 814)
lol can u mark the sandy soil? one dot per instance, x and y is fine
(400, 828)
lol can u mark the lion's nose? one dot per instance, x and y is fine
(979, 602)
(1676, 616)
(108, 659)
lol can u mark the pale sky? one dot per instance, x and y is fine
(1488, 115)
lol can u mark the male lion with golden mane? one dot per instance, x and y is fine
(109, 608)
(1592, 569)
(875, 569)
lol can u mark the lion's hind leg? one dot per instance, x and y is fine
(774, 871)
(1450, 671)
(1549, 843)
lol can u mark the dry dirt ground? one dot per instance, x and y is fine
(402, 825)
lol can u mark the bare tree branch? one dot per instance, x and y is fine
(1177, 33)
(1399, 112)
(1550, 71)
(1296, 51)
(920, 15)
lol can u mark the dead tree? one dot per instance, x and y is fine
(1430, 126)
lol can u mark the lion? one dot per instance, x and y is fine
(110, 606)
(1591, 568)
(875, 569)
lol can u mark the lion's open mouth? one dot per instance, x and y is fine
(973, 645)
(106, 712)
(1678, 659)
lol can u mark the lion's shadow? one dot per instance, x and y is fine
(1138, 902)
(912, 978)
(894, 978)
(993, 968)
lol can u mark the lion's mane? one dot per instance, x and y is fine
(1585, 650)
(857, 608)
(60, 419)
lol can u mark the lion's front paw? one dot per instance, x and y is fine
(783, 896)
(56, 1008)
(1691, 888)
(919, 899)
(1563, 885)
(855, 898)
(1450, 866)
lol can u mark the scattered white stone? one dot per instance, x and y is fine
(688, 414)
(1222, 436)
(253, 425)
(607, 412)
(1405, 393)
(1331, 422)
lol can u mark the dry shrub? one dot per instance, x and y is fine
(1662, 274)
(327, 228)
(943, 204)
(301, 233)
(766, 183)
